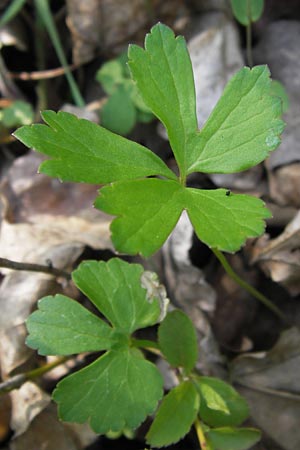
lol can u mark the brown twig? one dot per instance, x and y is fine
(8, 264)
(41, 74)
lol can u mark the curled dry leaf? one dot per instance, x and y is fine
(285, 185)
(27, 403)
(279, 258)
(270, 383)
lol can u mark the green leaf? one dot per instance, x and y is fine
(110, 75)
(178, 340)
(118, 114)
(278, 90)
(18, 113)
(243, 128)
(118, 390)
(220, 404)
(84, 152)
(175, 415)
(225, 221)
(148, 209)
(233, 438)
(247, 11)
(164, 76)
(115, 289)
(62, 326)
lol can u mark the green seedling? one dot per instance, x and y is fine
(124, 107)
(120, 388)
(242, 130)
(246, 13)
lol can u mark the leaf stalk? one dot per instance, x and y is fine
(254, 292)
(204, 445)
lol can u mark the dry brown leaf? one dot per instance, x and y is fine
(27, 403)
(285, 185)
(270, 381)
(46, 432)
(108, 25)
(280, 257)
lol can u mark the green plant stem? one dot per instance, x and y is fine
(11, 11)
(204, 445)
(249, 37)
(42, 85)
(43, 10)
(8, 264)
(16, 381)
(146, 344)
(249, 45)
(254, 292)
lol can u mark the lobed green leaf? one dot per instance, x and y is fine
(221, 404)
(85, 152)
(178, 340)
(164, 76)
(175, 416)
(233, 438)
(62, 326)
(224, 220)
(243, 128)
(118, 390)
(147, 211)
(115, 289)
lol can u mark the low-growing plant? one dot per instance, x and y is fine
(247, 12)
(124, 106)
(121, 387)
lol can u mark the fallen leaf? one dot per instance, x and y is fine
(271, 386)
(279, 258)
(27, 403)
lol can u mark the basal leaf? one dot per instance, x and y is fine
(175, 415)
(62, 326)
(111, 75)
(118, 114)
(115, 289)
(243, 128)
(164, 76)
(178, 340)
(233, 438)
(220, 404)
(118, 390)
(147, 212)
(85, 152)
(247, 11)
(224, 220)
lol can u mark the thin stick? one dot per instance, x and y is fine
(8, 264)
(42, 74)
(254, 292)
(16, 381)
